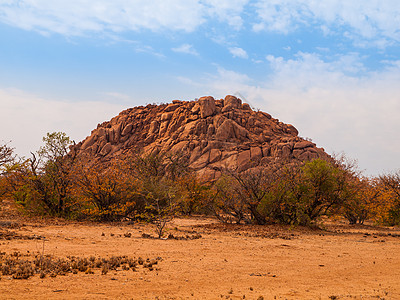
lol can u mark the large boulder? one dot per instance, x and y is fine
(214, 134)
(207, 106)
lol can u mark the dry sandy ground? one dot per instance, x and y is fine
(227, 262)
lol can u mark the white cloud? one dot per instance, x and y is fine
(187, 49)
(238, 52)
(314, 71)
(232, 77)
(228, 11)
(280, 16)
(27, 118)
(326, 102)
(82, 17)
(79, 17)
(367, 20)
(149, 50)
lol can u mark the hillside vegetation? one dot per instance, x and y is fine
(252, 170)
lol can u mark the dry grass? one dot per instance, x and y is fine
(23, 266)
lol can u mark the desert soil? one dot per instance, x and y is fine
(227, 262)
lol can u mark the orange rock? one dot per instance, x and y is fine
(215, 134)
(207, 106)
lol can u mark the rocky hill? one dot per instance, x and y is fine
(214, 133)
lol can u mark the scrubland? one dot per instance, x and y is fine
(202, 259)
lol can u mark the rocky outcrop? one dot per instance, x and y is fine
(215, 134)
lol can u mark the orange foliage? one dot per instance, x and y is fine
(106, 193)
(192, 194)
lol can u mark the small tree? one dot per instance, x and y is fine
(226, 204)
(6, 155)
(108, 194)
(44, 181)
(283, 202)
(191, 194)
(302, 192)
(57, 169)
(326, 187)
(362, 204)
(239, 194)
(390, 183)
(161, 208)
(157, 187)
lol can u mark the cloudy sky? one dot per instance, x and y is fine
(331, 68)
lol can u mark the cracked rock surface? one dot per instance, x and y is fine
(216, 134)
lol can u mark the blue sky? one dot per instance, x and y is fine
(331, 68)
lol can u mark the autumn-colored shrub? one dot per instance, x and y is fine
(303, 192)
(226, 204)
(157, 176)
(156, 187)
(283, 201)
(44, 182)
(238, 195)
(363, 203)
(106, 194)
(389, 200)
(191, 194)
(7, 158)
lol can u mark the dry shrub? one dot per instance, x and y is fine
(16, 267)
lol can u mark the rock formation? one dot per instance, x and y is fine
(214, 133)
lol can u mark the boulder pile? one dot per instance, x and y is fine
(215, 134)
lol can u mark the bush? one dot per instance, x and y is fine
(362, 205)
(107, 194)
(192, 195)
(390, 197)
(226, 204)
(238, 195)
(7, 158)
(157, 187)
(303, 192)
(283, 202)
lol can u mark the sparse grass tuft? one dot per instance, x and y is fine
(20, 266)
